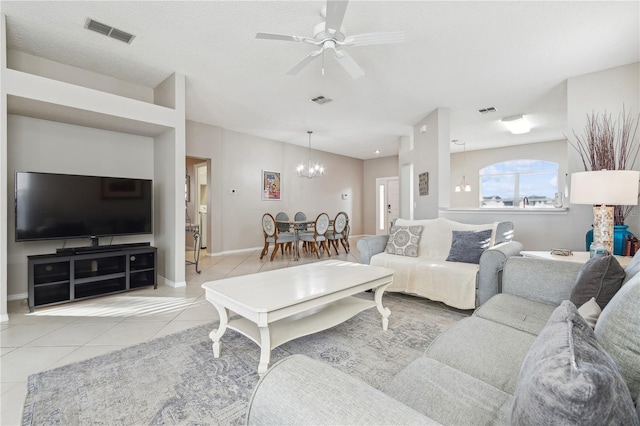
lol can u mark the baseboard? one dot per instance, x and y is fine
(166, 281)
(19, 296)
(226, 252)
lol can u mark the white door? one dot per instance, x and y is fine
(387, 203)
(201, 201)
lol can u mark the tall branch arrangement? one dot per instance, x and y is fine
(609, 145)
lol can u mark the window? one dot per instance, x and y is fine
(519, 183)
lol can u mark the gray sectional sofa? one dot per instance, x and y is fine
(523, 357)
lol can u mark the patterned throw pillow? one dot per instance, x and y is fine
(403, 240)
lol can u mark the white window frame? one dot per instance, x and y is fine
(517, 199)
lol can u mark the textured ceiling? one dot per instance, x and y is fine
(459, 55)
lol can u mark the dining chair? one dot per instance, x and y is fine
(318, 236)
(300, 217)
(282, 217)
(271, 235)
(337, 233)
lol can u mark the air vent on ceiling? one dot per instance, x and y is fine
(98, 27)
(320, 100)
(487, 110)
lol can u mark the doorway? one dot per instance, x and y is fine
(202, 198)
(387, 203)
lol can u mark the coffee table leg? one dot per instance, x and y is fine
(216, 334)
(265, 350)
(385, 312)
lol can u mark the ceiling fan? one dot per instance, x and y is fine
(327, 36)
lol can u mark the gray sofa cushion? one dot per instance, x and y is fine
(495, 351)
(516, 312)
(600, 277)
(467, 246)
(292, 390)
(568, 379)
(449, 396)
(618, 331)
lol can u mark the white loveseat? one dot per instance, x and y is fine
(457, 284)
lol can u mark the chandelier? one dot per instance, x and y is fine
(307, 170)
(463, 185)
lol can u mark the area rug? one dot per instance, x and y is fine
(176, 380)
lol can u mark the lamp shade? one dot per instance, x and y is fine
(608, 187)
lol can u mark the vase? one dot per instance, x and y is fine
(620, 235)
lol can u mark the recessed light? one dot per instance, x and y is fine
(377, 151)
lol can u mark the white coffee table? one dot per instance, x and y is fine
(278, 306)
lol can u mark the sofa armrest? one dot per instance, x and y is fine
(370, 246)
(491, 265)
(541, 280)
(299, 390)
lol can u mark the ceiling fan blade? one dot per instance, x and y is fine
(282, 37)
(374, 38)
(349, 64)
(304, 62)
(335, 14)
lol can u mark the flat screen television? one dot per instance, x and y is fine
(61, 206)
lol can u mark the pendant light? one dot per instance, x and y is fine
(463, 185)
(310, 171)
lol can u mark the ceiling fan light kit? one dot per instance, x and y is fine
(327, 36)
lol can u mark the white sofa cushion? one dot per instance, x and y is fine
(437, 235)
(430, 275)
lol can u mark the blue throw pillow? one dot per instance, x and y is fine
(468, 246)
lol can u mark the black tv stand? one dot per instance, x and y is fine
(65, 277)
(99, 249)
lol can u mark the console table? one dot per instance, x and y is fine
(577, 256)
(60, 278)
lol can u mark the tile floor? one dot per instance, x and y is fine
(58, 335)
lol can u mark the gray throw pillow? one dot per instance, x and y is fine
(468, 246)
(600, 277)
(568, 379)
(618, 332)
(403, 240)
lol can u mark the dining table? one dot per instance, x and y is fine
(296, 226)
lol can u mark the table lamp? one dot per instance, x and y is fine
(605, 189)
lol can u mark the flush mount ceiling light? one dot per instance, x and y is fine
(308, 170)
(517, 124)
(463, 185)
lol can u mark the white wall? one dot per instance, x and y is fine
(555, 151)
(600, 92)
(373, 169)
(429, 153)
(237, 163)
(47, 146)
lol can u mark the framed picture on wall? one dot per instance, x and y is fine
(271, 185)
(423, 183)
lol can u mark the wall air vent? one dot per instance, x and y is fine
(488, 110)
(98, 27)
(321, 100)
